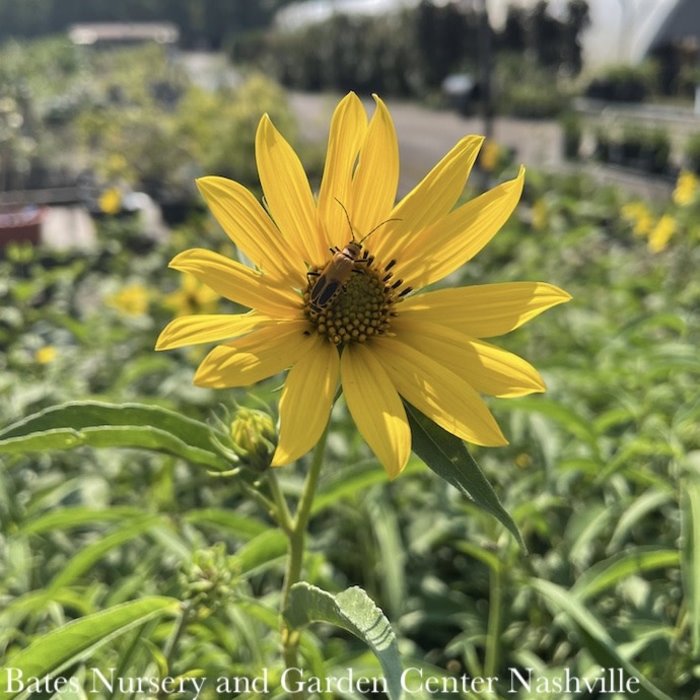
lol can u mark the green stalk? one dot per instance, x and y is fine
(171, 644)
(493, 632)
(295, 558)
(284, 517)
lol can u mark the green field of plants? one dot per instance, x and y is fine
(136, 536)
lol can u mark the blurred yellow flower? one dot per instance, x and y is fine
(132, 300)
(45, 355)
(367, 332)
(110, 201)
(116, 165)
(523, 460)
(539, 214)
(638, 214)
(489, 156)
(686, 188)
(193, 297)
(664, 229)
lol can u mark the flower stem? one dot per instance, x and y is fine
(265, 503)
(284, 517)
(295, 558)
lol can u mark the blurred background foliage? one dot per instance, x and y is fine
(202, 23)
(131, 117)
(596, 474)
(410, 53)
(602, 474)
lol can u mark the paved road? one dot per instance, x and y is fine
(425, 135)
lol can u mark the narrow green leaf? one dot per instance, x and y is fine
(28, 603)
(75, 516)
(261, 551)
(237, 524)
(97, 424)
(58, 649)
(352, 480)
(690, 556)
(481, 554)
(635, 513)
(392, 552)
(352, 610)
(595, 637)
(92, 553)
(584, 532)
(608, 573)
(447, 456)
(575, 424)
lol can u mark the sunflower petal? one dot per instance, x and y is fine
(485, 310)
(287, 193)
(431, 199)
(250, 228)
(207, 328)
(376, 408)
(256, 356)
(307, 399)
(485, 367)
(442, 248)
(377, 174)
(438, 393)
(237, 282)
(347, 133)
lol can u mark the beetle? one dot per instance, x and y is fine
(332, 279)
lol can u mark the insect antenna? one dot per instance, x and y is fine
(352, 231)
(347, 216)
(364, 238)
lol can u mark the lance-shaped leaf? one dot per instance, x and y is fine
(447, 456)
(55, 651)
(97, 424)
(595, 638)
(352, 610)
(690, 560)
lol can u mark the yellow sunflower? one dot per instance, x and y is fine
(378, 337)
(191, 297)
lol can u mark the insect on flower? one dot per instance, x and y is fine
(331, 280)
(379, 333)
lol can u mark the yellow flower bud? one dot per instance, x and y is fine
(254, 437)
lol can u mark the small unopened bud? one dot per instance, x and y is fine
(253, 434)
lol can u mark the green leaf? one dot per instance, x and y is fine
(245, 526)
(352, 480)
(568, 419)
(595, 637)
(261, 551)
(690, 556)
(75, 516)
(28, 603)
(635, 513)
(608, 573)
(354, 611)
(97, 424)
(447, 456)
(88, 556)
(58, 649)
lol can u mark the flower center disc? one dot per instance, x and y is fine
(362, 308)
